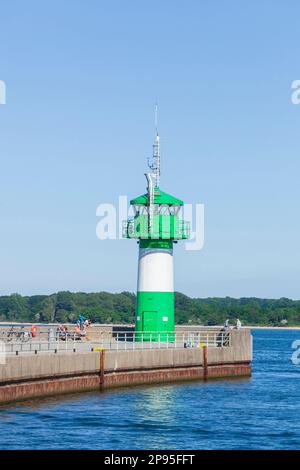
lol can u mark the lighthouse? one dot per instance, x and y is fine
(157, 226)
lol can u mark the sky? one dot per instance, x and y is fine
(82, 79)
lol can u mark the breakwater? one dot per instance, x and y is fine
(32, 375)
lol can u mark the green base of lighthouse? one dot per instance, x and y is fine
(155, 316)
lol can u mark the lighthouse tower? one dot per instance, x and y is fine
(157, 226)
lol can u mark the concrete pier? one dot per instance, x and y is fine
(30, 376)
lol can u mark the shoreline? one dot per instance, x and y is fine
(272, 327)
(129, 325)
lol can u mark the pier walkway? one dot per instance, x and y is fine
(118, 361)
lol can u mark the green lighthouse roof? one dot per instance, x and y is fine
(159, 198)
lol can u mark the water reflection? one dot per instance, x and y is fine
(157, 404)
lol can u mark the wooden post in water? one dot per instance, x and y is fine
(102, 357)
(205, 368)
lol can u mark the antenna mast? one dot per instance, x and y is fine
(155, 165)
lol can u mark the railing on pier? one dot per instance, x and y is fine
(117, 341)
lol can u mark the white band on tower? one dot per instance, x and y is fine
(155, 272)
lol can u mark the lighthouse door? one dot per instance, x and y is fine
(150, 321)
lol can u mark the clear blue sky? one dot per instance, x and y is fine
(82, 78)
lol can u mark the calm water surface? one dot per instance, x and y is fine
(258, 413)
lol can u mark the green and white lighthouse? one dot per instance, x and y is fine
(157, 226)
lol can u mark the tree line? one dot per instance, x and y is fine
(105, 307)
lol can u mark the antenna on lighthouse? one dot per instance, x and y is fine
(155, 165)
(156, 118)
